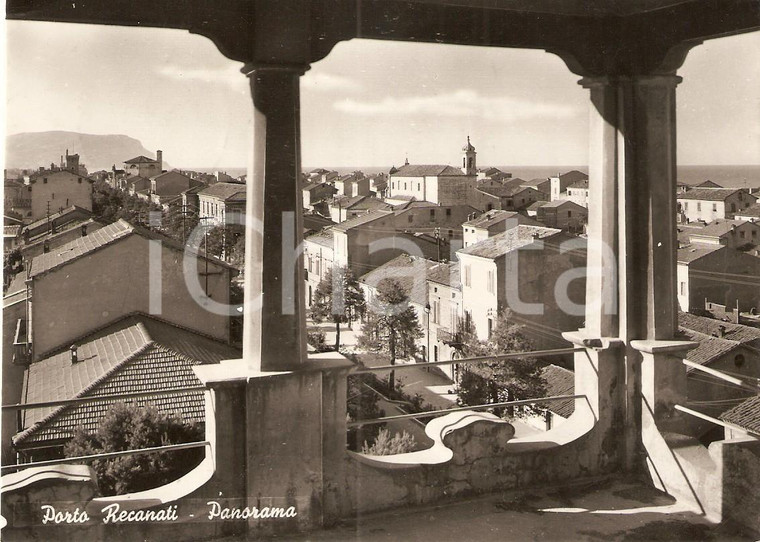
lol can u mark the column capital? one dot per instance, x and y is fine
(654, 79)
(252, 68)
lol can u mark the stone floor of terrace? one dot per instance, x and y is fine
(608, 510)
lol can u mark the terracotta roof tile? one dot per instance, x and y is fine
(559, 381)
(746, 415)
(225, 191)
(410, 271)
(137, 353)
(412, 170)
(510, 240)
(711, 194)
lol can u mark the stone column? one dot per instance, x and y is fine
(274, 333)
(631, 285)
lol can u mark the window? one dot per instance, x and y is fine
(683, 288)
(715, 207)
(418, 187)
(490, 284)
(436, 312)
(467, 273)
(52, 196)
(410, 218)
(44, 180)
(79, 180)
(404, 186)
(685, 206)
(699, 206)
(435, 352)
(569, 214)
(432, 215)
(741, 234)
(448, 212)
(490, 327)
(739, 360)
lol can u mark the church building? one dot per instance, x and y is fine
(439, 184)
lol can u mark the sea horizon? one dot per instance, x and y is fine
(730, 176)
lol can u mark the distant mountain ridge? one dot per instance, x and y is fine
(30, 150)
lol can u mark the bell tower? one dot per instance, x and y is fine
(469, 163)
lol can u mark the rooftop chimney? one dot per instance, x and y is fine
(721, 331)
(73, 351)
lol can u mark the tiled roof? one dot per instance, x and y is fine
(719, 228)
(346, 202)
(746, 415)
(504, 190)
(510, 240)
(752, 210)
(708, 184)
(710, 326)
(50, 172)
(141, 160)
(709, 349)
(362, 220)
(324, 238)
(408, 270)
(58, 214)
(560, 202)
(572, 176)
(490, 218)
(98, 239)
(224, 191)
(696, 251)
(354, 177)
(445, 273)
(315, 221)
(579, 184)
(559, 381)
(80, 247)
(710, 194)
(370, 203)
(535, 205)
(135, 354)
(412, 170)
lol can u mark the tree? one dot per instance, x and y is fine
(222, 240)
(110, 204)
(384, 444)
(362, 404)
(129, 427)
(338, 297)
(179, 220)
(504, 380)
(391, 323)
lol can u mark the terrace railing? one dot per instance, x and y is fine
(102, 398)
(464, 361)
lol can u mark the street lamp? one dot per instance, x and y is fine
(427, 335)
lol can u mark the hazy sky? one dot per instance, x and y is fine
(369, 103)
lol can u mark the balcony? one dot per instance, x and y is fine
(278, 437)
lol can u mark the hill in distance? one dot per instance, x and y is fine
(30, 150)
